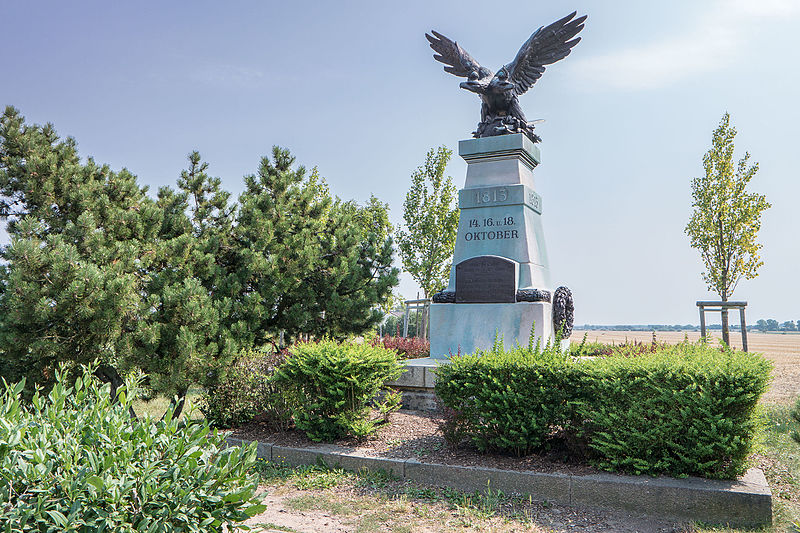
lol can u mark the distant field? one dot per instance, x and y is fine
(782, 350)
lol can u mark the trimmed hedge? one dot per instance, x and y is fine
(689, 409)
(335, 387)
(508, 400)
(77, 461)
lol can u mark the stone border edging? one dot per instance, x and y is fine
(746, 502)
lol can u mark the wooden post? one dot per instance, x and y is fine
(424, 321)
(416, 316)
(702, 321)
(405, 322)
(744, 328)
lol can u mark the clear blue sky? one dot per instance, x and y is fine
(350, 87)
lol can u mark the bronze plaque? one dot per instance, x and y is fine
(486, 279)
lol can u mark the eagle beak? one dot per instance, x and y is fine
(470, 85)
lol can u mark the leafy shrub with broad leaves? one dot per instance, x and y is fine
(336, 387)
(247, 392)
(688, 409)
(76, 460)
(406, 347)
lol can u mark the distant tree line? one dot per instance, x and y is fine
(640, 327)
(773, 325)
(761, 325)
(178, 284)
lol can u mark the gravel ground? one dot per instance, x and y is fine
(416, 435)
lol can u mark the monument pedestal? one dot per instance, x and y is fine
(466, 328)
(500, 278)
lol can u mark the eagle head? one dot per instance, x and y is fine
(478, 81)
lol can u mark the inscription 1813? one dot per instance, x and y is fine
(486, 279)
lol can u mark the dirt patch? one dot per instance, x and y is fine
(348, 508)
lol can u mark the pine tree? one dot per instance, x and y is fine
(174, 286)
(82, 237)
(357, 276)
(308, 263)
(184, 339)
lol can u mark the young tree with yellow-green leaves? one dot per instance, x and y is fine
(431, 220)
(726, 217)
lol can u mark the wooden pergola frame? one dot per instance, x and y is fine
(720, 307)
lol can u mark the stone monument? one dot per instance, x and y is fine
(500, 280)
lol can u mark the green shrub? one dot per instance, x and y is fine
(508, 400)
(76, 461)
(336, 385)
(688, 409)
(246, 392)
(795, 414)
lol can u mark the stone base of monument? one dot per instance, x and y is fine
(417, 384)
(462, 329)
(500, 280)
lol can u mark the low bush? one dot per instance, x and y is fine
(247, 392)
(406, 347)
(689, 409)
(795, 414)
(335, 386)
(77, 461)
(508, 400)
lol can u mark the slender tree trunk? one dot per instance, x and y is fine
(181, 401)
(109, 374)
(725, 333)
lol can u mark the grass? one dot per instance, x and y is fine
(158, 405)
(381, 501)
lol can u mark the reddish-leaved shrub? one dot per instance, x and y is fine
(406, 347)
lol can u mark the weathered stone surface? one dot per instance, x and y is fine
(550, 487)
(303, 456)
(418, 394)
(466, 328)
(357, 461)
(412, 376)
(746, 502)
(486, 279)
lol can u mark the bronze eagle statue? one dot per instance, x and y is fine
(500, 110)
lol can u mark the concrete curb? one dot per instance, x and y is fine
(746, 502)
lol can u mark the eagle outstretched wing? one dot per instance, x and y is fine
(457, 61)
(547, 45)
